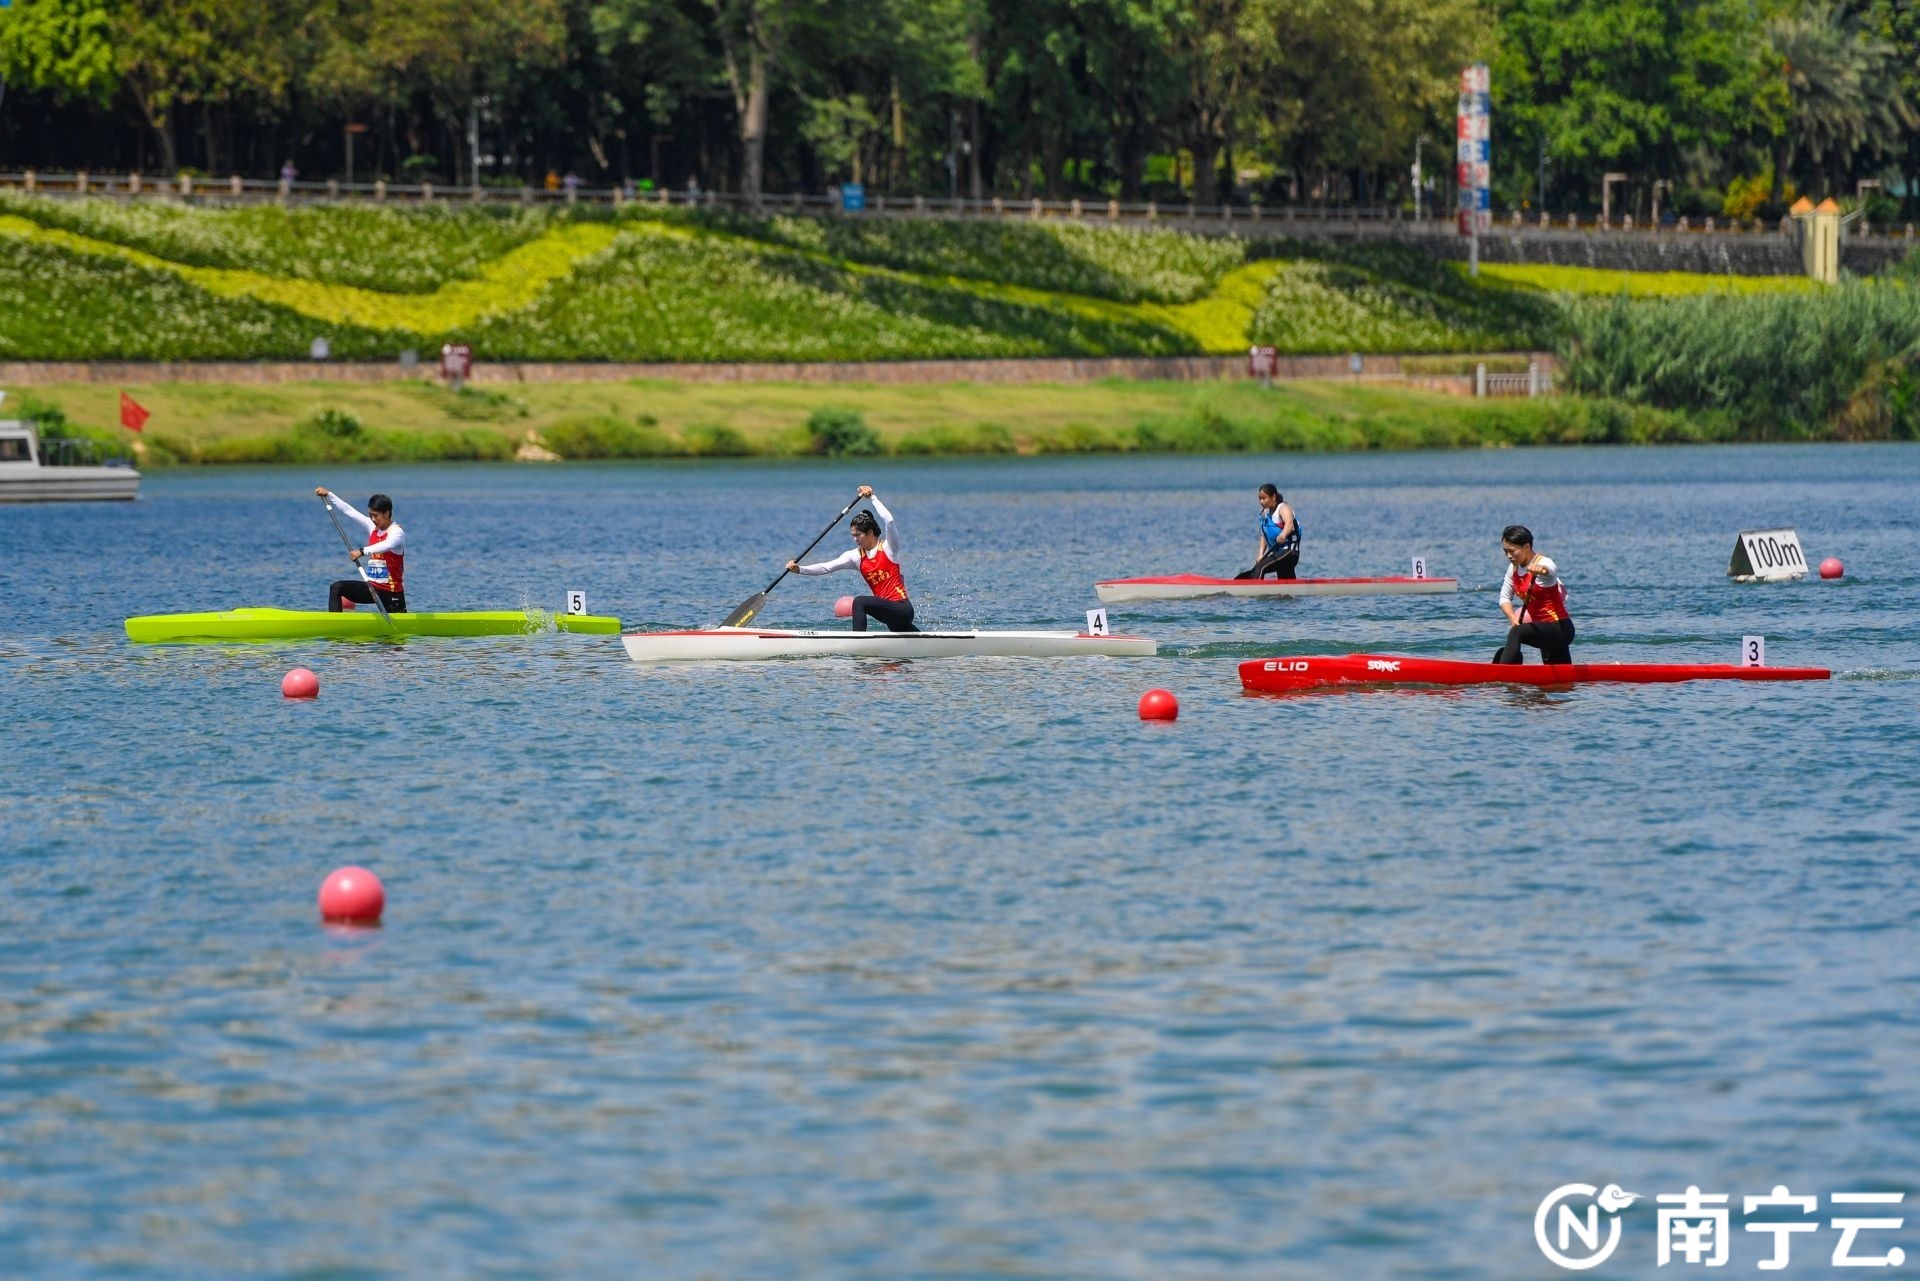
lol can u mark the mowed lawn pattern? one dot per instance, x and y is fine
(97, 279)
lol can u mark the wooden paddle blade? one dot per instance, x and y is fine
(744, 612)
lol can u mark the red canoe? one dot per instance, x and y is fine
(1283, 675)
(1115, 591)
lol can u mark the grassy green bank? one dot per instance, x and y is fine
(195, 423)
(1698, 356)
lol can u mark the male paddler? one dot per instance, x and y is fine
(876, 554)
(1534, 600)
(1278, 552)
(384, 557)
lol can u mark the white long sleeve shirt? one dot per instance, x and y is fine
(850, 558)
(394, 544)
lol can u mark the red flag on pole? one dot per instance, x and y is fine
(133, 416)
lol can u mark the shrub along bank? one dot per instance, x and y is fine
(316, 423)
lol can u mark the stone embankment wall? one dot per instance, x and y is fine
(1716, 253)
(1172, 368)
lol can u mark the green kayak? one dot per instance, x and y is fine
(361, 624)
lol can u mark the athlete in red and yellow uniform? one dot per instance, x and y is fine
(876, 554)
(384, 557)
(1539, 618)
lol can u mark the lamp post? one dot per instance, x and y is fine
(351, 130)
(1419, 206)
(1606, 197)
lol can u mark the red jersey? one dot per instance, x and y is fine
(882, 573)
(1543, 604)
(385, 570)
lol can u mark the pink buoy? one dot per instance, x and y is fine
(1832, 568)
(300, 683)
(353, 895)
(1159, 705)
(843, 608)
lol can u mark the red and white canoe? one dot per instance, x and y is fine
(1286, 675)
(755, 643)
(1193, 586)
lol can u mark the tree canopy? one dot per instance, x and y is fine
(1202, 100)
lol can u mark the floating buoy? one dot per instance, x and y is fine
(1832, 568)
(1159, 705)
(843, 608)
(300, 683)
(353, 895)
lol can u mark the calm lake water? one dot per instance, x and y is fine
(953, 969)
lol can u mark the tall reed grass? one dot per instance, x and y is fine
(1839, 362)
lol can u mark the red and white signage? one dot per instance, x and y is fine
(456, 360)
(1474, 157)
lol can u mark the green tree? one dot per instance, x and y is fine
(1220, 48)
(883, 84)
(450, 53)
(1035, 58)
(1847, 102)
(64, 47)
(1133, 79)
(1351, 86)
(1656, 88)
(754, 39)
(163, 55)
(652, 62)
(1898, 23)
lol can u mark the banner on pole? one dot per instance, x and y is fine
(1474, 153)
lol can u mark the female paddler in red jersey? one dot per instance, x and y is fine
(1539, 615)
(876, 554)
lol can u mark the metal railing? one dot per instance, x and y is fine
(68, 451)
(1537, 381)
(1244, 218)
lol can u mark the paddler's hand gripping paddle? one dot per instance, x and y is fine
(744, 612)
(357, 567)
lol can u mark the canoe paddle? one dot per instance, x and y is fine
(357, 567)
(1526, 603)
(744, 612)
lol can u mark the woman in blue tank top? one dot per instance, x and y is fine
(1278, 552)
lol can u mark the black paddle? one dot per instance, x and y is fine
(357, 568)
(744, 612)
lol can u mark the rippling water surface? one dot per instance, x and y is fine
(951, 969)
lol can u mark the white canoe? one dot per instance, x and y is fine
(1193, 586)
(753, 643)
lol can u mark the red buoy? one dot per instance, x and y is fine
(300, 683)
(843, 608)
(1159, 705)
(353, 895)
(1832, 568)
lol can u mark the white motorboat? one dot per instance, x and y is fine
(755, 643)
(58, 471)
(1113, 591)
